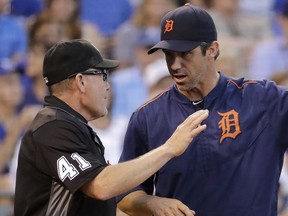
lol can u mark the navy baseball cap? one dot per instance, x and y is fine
(185, 28)
(67, 58)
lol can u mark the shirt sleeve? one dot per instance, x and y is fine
(277, 108)
(67, 154)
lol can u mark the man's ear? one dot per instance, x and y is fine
(213, 50)
(80, 82)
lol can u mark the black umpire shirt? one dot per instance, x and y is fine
(58, 155)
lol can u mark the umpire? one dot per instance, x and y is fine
(61, 167)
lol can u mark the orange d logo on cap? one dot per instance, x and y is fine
(169, 26)
(185, 28)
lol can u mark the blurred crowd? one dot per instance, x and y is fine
(253, 38)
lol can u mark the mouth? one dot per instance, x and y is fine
(179, 78)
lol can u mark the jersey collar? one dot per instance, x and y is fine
(53, 101)
(217, 91)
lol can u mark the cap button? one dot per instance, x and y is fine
(187, 4)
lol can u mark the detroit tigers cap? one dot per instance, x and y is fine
(70, 57)
(185, 28)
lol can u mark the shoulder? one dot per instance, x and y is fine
(155, 103)
(256, 89)
(52, 119)
(242, 83)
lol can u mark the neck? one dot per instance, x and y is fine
(203, 88)
(73, 101)
(102, 123)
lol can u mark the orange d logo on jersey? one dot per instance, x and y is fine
(229, 125)
(169, 26)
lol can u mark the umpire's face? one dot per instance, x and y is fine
(94, 93)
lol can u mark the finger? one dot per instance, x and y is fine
(198, 130)
(196, 114)
(186, 211)
(198, 118)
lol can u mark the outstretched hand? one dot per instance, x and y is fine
(186, 131)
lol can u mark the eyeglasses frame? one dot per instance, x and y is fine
(93, 71)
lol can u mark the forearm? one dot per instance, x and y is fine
(136, 202)
(116, 179)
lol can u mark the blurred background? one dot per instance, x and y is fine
(253, 37)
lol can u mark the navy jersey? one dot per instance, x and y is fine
(58, 155)
(231, 168)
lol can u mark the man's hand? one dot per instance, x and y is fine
(168, 207)
(186, 131)
(139, 203)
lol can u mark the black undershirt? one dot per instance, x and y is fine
(198, 105)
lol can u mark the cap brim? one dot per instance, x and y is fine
(175, 45)
(108, 63)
